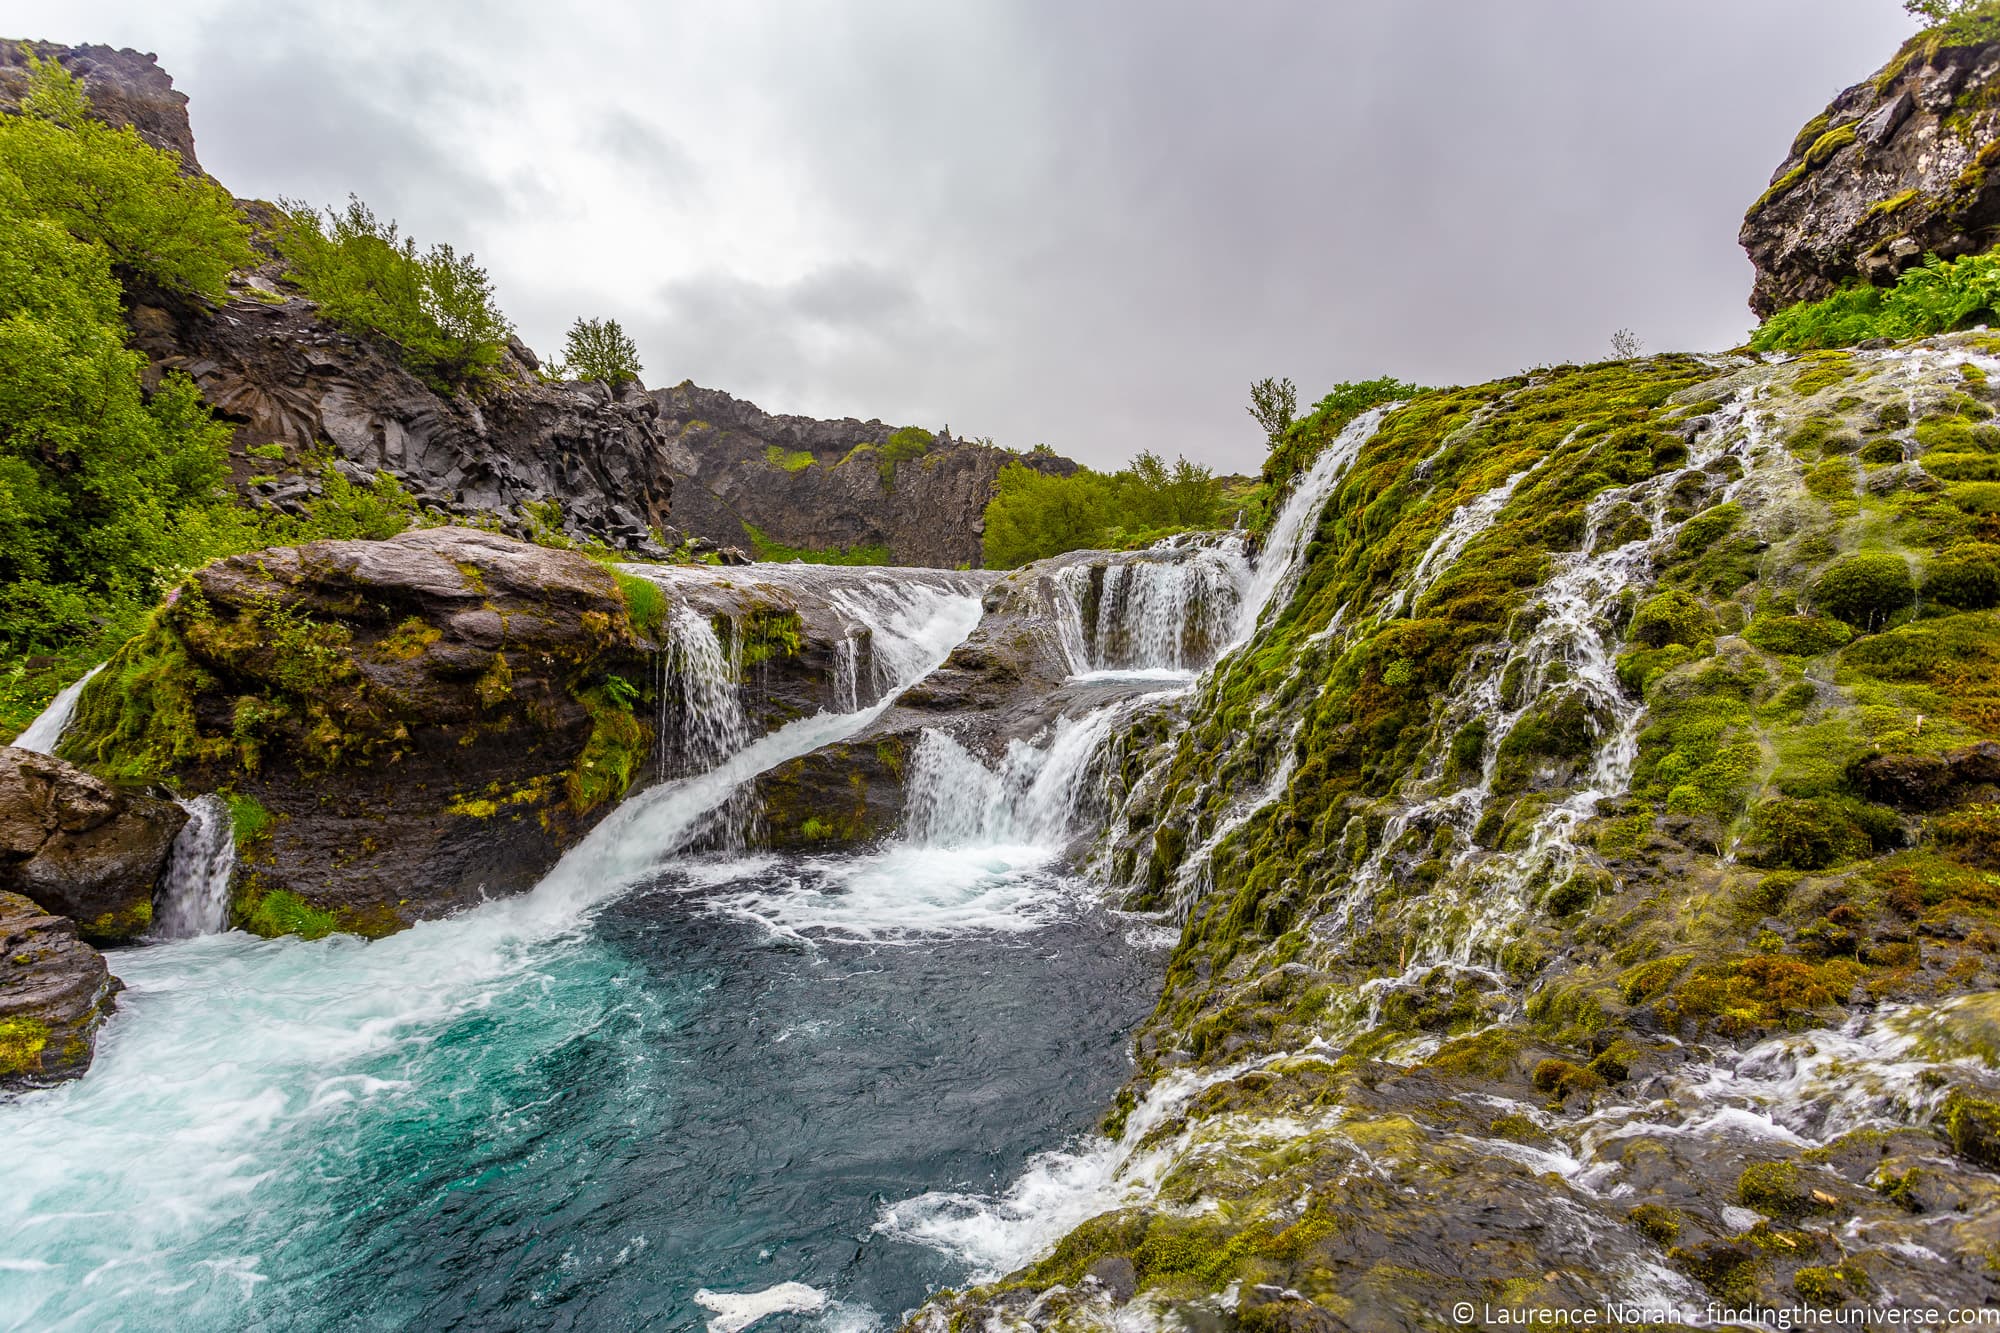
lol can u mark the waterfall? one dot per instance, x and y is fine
(701, 713)
(193, 897)
(1282, 561)
(1169, 608)
(47, 728)
(1037, 797)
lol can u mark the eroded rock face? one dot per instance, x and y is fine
(405, 725)
(81, 848)
(55, 991)
(285, 377)
(738, 467)
(1897, 167)
(125, 87)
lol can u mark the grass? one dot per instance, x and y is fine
(766, 548)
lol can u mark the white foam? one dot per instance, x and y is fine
(737, 1310)
(48, 727)
(903, 894)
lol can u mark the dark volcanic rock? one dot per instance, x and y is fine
(284, 376)
(79, 847)
(1897, 167)
(55, 991)
(423, 721)
(125, 87)
(737, 467)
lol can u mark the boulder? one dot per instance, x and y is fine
(405, 726)
(55, 991)
(81, 848)
(1897, 167)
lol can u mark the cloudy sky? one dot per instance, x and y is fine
(1084, 222)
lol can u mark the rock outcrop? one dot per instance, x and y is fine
(818, 485)
(80, 847)
(266, 362)
(55, 991)
(402, 726)
(125, 87)
(1898, 167)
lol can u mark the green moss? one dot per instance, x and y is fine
(1673, 617)
(1820, 1286)
(1864, 589)
(1657, 1223)
(617, 745)
(769, 632)
(277, 912)
(1707, 528)
(907, 443)
(1972, 1125)
(1797, 636)
(22, 1041)
(1774, 1189)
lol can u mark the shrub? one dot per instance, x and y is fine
(597, 349)
(1935, 297)
(1864, 589)
(1966, 576)
(1292, 451)
(115, 193)
(433, 310)
(1033, 514)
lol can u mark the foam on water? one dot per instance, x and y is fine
(737, 1310)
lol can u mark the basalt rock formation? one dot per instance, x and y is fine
(55, 991)
(821, 486)
(81, 848)
(1897, 167)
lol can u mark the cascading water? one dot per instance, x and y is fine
(193, 897)
(700, 713)
(1038, 797)
(1168, 609)
(42, 735)
(438, 1126)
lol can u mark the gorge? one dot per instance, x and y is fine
(1550, 857)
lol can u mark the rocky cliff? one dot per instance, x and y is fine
(125, 87)
(1897, 167)
(825, 486)
(55, 992)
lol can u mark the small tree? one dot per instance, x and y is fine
(597, 349)
(1273, 403)
(1625, 345)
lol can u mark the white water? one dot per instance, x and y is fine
(1169, 608)
(1038, 797)
(193, 897)
(737, 1310)
(48, 727)
(1281, 562)
(701, 712)
(230, 1056)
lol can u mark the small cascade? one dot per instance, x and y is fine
(1170, 609)
(193, 897)
(1571, 650)
(1282, 560)
(1038, 797)
(847, 673)
(701, 715)
(47, 729)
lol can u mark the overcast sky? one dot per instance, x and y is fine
(1084, 222)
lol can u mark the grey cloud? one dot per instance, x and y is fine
(646, 149)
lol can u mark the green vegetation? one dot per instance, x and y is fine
(433, 310)
(788, 460)
(1274, 404)
(1957, 22)
(1036, 514)
(907, 443)
(1937, 296)
(281, 912)
(597, 349)
(767, 548)
(1293, 451)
